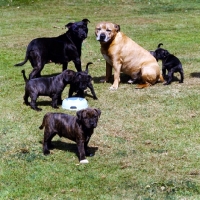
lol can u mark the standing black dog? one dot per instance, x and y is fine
(76, 128)
(61, 49)
(53, 86)
(88, 81)
(170, 63)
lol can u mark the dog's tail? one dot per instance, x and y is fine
(22, 63)
(44, 120)
(160, 44)
(43, 123)
(24, 75)
(86, 69)
(41, 127)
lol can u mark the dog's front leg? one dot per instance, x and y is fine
(116, 78)
(108, 73)
(77, 63)
(92, 90)
(170, 77)
(64, 66)
(87, 152)
(81, 151)
(71, 90)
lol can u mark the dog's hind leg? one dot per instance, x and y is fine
(33, 103)
(47, 142)
(182, 75)
(64, 66)
(35, 73)
(92, 91)
(26, 95)
(55, 100)
(37, 64)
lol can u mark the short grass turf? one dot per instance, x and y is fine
(147, 143)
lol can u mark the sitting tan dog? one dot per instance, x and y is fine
(124, 55)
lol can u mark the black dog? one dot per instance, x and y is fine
(53, 86)
(170, 63)
(88, 81)
(76, 128)
(61, 49)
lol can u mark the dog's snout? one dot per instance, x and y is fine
(102, 36)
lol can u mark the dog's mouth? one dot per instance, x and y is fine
(102, 38)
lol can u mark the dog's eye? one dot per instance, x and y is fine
(108, 30)
(98, 29)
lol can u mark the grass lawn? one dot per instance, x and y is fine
(147, 143)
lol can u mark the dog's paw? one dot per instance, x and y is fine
(166, 83)
(85, 161)
(113, 88)
(130, 81)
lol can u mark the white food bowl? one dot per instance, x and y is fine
(74, 103)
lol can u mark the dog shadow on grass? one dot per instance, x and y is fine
(71, 147)
(123, 79)
(195, 74)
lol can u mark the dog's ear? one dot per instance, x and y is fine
(117, 27)
(69, 25)
(166, 53)
(77, 77)
(80, 114)
(98, 112)
(86, 21)
(67, 76)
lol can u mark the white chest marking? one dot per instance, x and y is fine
(107, 59)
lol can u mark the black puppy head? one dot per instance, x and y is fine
(68, 75)
(88, 117)
(78, 30)
(82, 80)
(161, 54)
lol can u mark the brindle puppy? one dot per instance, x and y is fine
(52, 86)
(77, 128)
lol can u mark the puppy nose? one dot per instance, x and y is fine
(102, 36)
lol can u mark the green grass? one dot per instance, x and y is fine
(147, 143)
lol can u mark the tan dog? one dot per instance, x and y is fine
(124, 55)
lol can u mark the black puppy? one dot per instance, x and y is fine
(61, 49)
(170, 63)
(88, 81)
(52, 87)
(76, 128)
